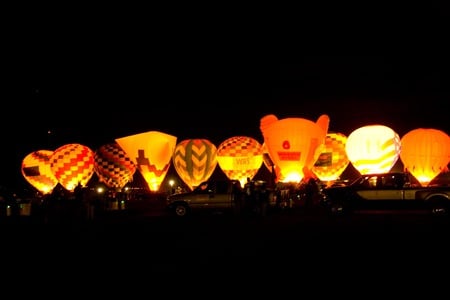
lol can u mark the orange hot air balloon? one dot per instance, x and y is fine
(72, 164)
(333, 160)
(195, 161)
(294, 144)
(36, 170)
(373, 149)
(151, 152)
(425, 153)
(240, 157)
(113, 166)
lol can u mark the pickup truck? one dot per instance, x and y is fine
(221, 196)
(387, 191)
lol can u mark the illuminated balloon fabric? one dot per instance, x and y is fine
(425, 153)
(333, 160)
(113, 166)
(240, 157)
(373, 149)
(72, 164)
(36, 170)
(294, 144)
(195, 161)
(151, 152)
(269, 164)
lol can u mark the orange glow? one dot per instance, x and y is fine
(294, 144)
(425, 153)
(195, 161)
(36, 170)
(373, 149)
(72, 164)
(151, 152)
(333, 160)
(113, 166)
(240, 157)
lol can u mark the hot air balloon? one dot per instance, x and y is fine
(333, 160)
(195, 161)
(294, 144)
(373, 149)
(72, 165)
(425, 153)
(36, 170)
(151, 152)
(240, 157)
(113, 166)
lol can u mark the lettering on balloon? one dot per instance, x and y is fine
(289, 156)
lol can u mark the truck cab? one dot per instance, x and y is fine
(209, 195)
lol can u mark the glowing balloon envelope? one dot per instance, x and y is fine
(113, 166)
(425, 153)
(72, 164)
(373, 149)
(151, 152)
(195, 161)
(333, 160)
(36, 170)
(294, 144)
(240, 157)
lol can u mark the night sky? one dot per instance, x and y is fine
(93, 101)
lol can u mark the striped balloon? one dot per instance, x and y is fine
(72, 164)
(113, 166)
(36, 170)
(195, 161)
(240, 157)
(373, 149)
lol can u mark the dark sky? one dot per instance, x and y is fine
(94, 99)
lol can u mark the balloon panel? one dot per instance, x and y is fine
(425, 153)
(151, 152)
(36, 170)
(72, 164)
(195, 161)
(113, 166)
(333, 160)
(373, 149)
(240, 157)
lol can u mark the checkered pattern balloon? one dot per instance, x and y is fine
(36, 170)
(72, 164)
(113, 166)
(240, 157)
(333, 160)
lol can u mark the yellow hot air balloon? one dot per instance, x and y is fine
(72, 164)
(333, 160)
(425, 153)
(151, 152)
(240, 157)
(294, 144)
(195, 161)
(36, 170)
(113, 166)
(373, 149)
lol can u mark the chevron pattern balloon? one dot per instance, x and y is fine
(113, 166)
(72, 164)
(36, 170)
(195, 161)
